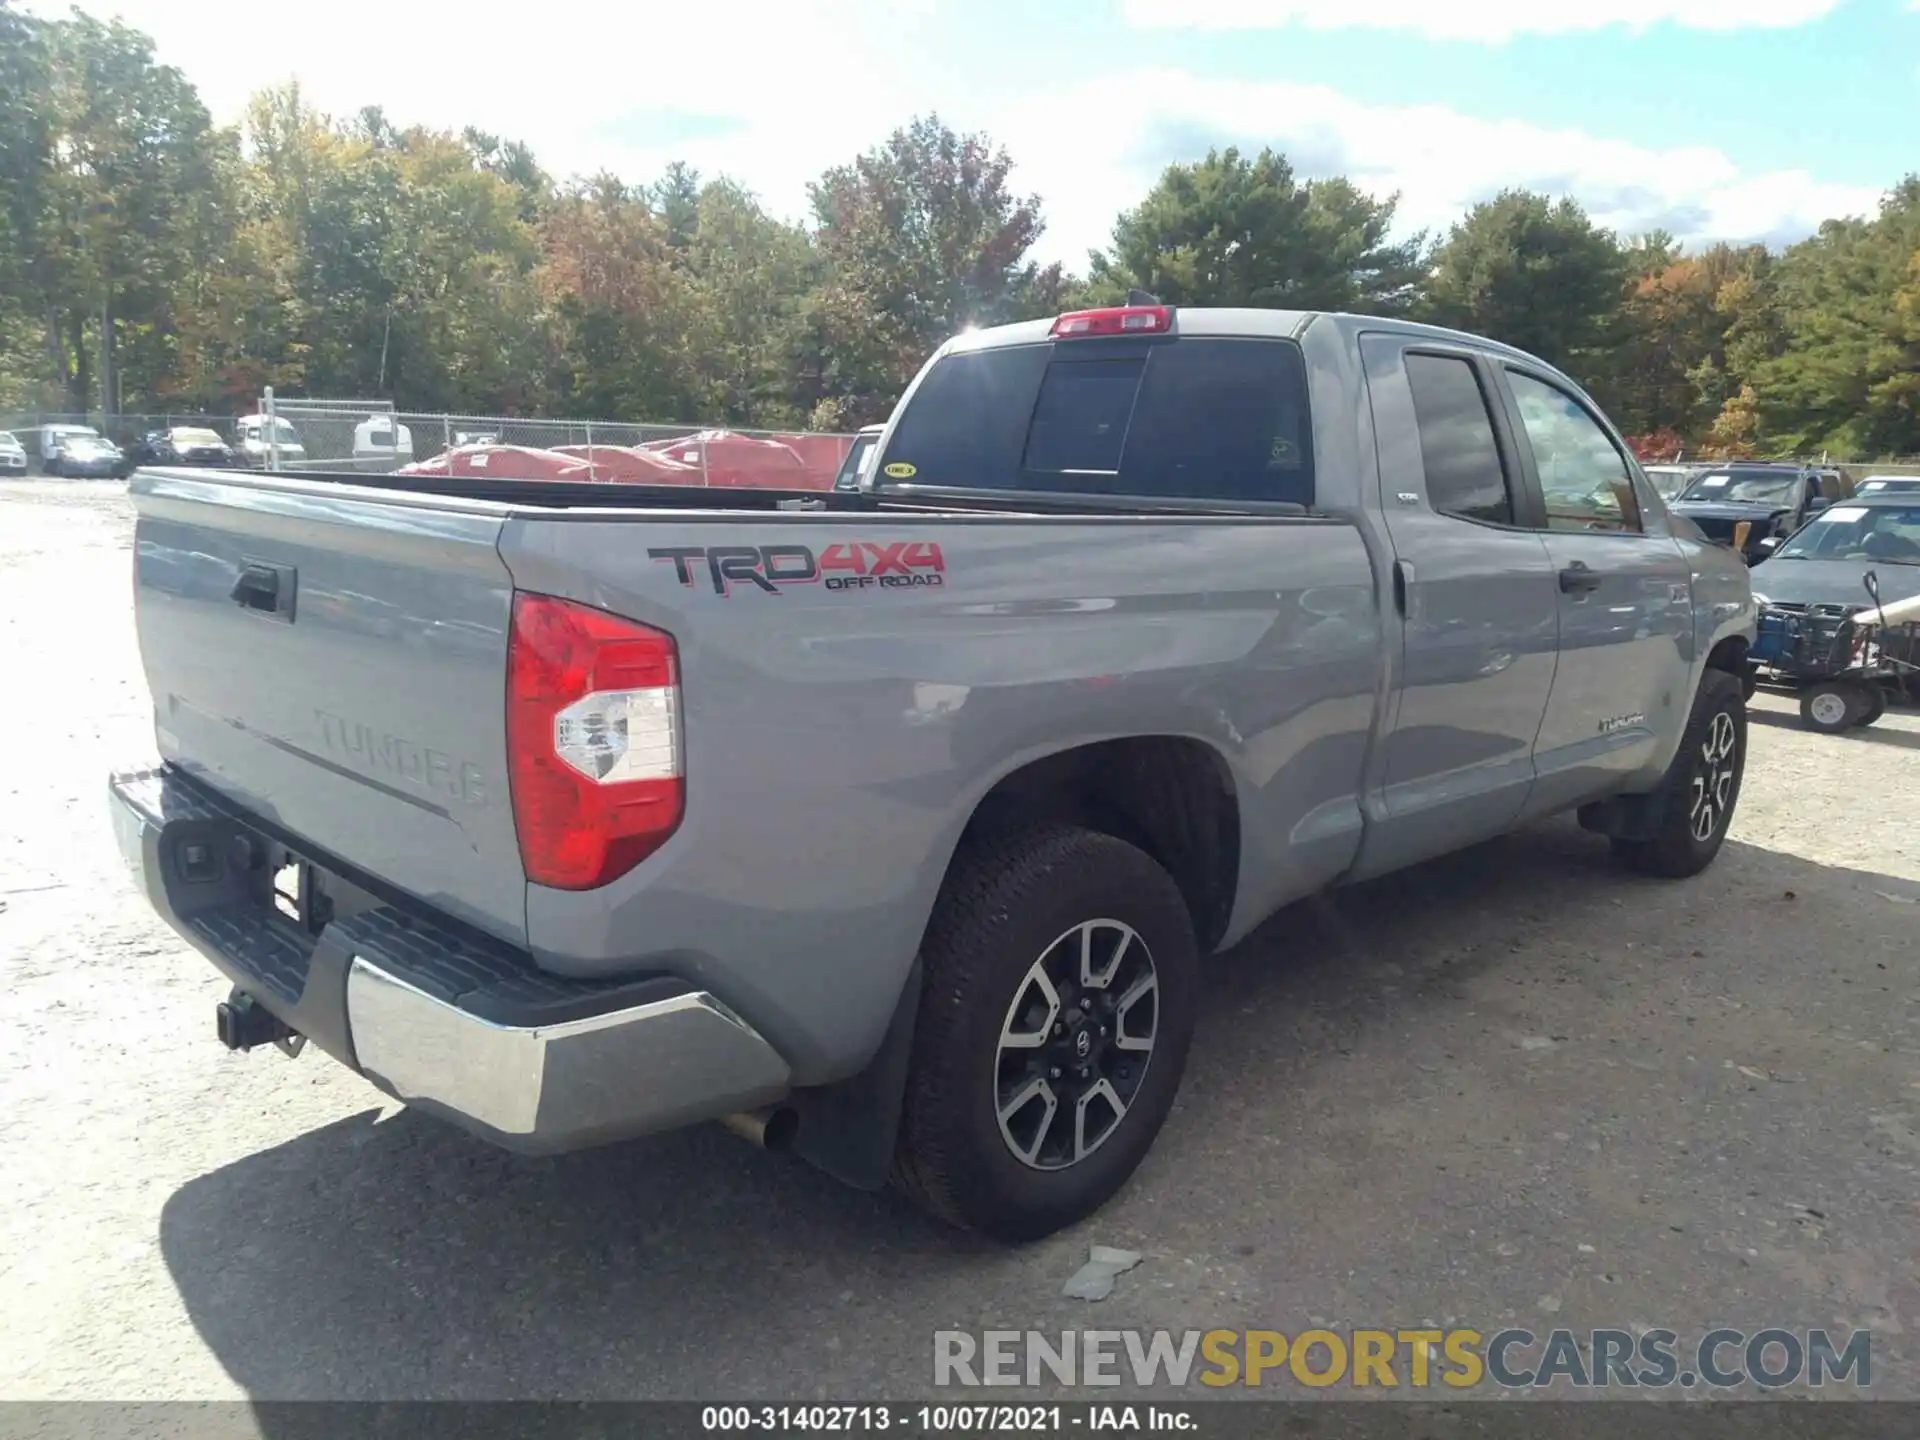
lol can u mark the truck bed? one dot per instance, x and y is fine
(599, 495)
(855, 673)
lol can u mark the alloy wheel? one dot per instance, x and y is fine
(1713, 777)
(1075, 1044)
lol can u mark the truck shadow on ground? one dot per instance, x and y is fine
(1871, 734)
(401, 1259)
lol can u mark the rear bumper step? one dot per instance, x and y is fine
(434, 1014)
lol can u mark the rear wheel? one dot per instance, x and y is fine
(1701, 787)
(1832, 706)
(1058, 1002)
(1876, 706)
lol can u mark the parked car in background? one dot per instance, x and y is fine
(381, 443)
(855, 465)
(251, 434)
(1770, 501)
(49, 439)
(1670, 480)
(183, 445)
(1825, 562)
(13, 455)
(1888, 485)
(88, 457)
(1824, 566)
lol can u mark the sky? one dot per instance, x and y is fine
(1713, 119)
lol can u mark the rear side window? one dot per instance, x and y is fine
(1464, 474)
(855, 465)
(1196, 419)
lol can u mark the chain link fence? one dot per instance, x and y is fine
(367, 435)
(371, 436)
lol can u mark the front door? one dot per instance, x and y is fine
(1625, 599)
(1474, 586)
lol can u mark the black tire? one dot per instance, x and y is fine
(1749, 685)
(1876, 706)
(1830, 707)
(1682, 847)
(1008, 902)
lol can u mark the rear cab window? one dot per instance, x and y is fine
(1196, 418)
(1465, 477)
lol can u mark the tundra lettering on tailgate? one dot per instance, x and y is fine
(423, 766)
(848, 565)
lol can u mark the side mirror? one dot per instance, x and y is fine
(1817, 504)
(1768, 545)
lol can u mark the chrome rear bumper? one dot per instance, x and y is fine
(435, 1016)
(562, 1086)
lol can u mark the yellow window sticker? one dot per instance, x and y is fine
(901, 470)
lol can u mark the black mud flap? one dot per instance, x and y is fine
(848, 1129)
(1626, 817)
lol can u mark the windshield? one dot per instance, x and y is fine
(196, 437)
(1881, 533)
(855, 465)
(88, 445)
(7, 438)
(1748, 487)
(1669, 480)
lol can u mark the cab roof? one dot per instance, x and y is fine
(1248, 322)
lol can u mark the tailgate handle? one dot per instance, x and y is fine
(266, 588)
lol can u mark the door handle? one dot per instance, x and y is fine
(1403, 596)
(1577, 579)
(266, 588)
(258, 588)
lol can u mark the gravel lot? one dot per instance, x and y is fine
(1512, 1087)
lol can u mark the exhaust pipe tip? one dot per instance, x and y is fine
(770, 1129)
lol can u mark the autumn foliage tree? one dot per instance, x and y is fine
(356, 254)
(920, 238)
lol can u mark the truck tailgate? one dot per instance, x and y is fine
(335, 661)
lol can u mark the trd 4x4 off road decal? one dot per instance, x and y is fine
(851, 565)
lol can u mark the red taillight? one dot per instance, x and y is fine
(593, 741)
(1124, 320)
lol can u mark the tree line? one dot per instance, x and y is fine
(194, 264)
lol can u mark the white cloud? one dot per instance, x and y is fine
(1439, 160)
(588, 85)
(1485, 20)
(774, 91)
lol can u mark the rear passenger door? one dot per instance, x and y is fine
(1625, 600)
(1475, 588)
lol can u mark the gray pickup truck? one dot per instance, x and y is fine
(892, 826)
